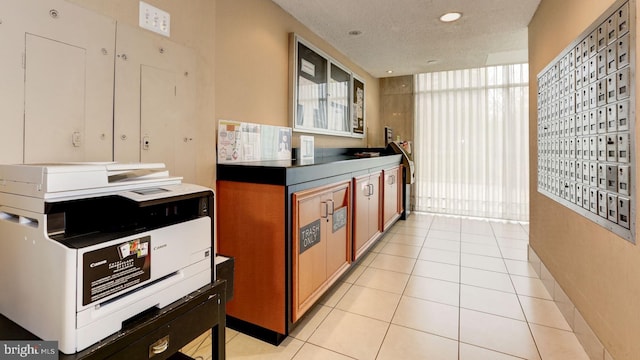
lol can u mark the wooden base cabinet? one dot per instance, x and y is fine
(251, 229)
(366, 212)
(392, 191)
(290, 229)
(321, 242)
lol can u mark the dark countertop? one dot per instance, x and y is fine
(292, 172)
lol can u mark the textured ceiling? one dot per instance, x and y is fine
(406, 36)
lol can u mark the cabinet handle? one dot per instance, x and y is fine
(371, 188)
(332, 207)
(145, 143)
(324, 210)
(76, 139)
(159, 346)
(392, 180)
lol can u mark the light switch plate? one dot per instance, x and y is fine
(154, 19)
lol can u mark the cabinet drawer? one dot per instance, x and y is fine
(178, 332)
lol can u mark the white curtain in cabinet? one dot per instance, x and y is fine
(472, 142)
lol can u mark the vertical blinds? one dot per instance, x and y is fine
(472, 142)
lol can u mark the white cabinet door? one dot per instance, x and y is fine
(154, 105)
(158, 115)
(54, 101)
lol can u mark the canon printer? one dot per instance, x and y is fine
(85, 247)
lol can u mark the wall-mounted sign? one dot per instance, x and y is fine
(241, 142)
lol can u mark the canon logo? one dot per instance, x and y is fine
(155, 248)
(102, 262)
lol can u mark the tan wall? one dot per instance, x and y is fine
(243, 66)
(192, 25)
(598, 270)
(397, 105)
(252, 69)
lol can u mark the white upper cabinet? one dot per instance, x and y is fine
(77, 86)
(155, 100)
(57, 88)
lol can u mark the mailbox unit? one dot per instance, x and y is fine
(586, 102)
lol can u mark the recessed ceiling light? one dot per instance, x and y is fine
(450, 17)
(389, 71)
(355, 32)
(432, 61)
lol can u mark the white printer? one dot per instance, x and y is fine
(84, 247)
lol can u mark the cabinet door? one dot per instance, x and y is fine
(375, 205)
(158, 123)
(338, 231)
(367, 212)
(321, 238)
(392, 199)
(54, 84)
(362, 189)
(310, 245)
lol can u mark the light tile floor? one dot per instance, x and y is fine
(435, 287)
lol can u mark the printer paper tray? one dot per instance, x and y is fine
(96, 323)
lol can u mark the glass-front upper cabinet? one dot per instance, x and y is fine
(339, 84)
(358, 107)
(311, 91)
(323, 100)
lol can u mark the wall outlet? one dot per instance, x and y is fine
(154, 19)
